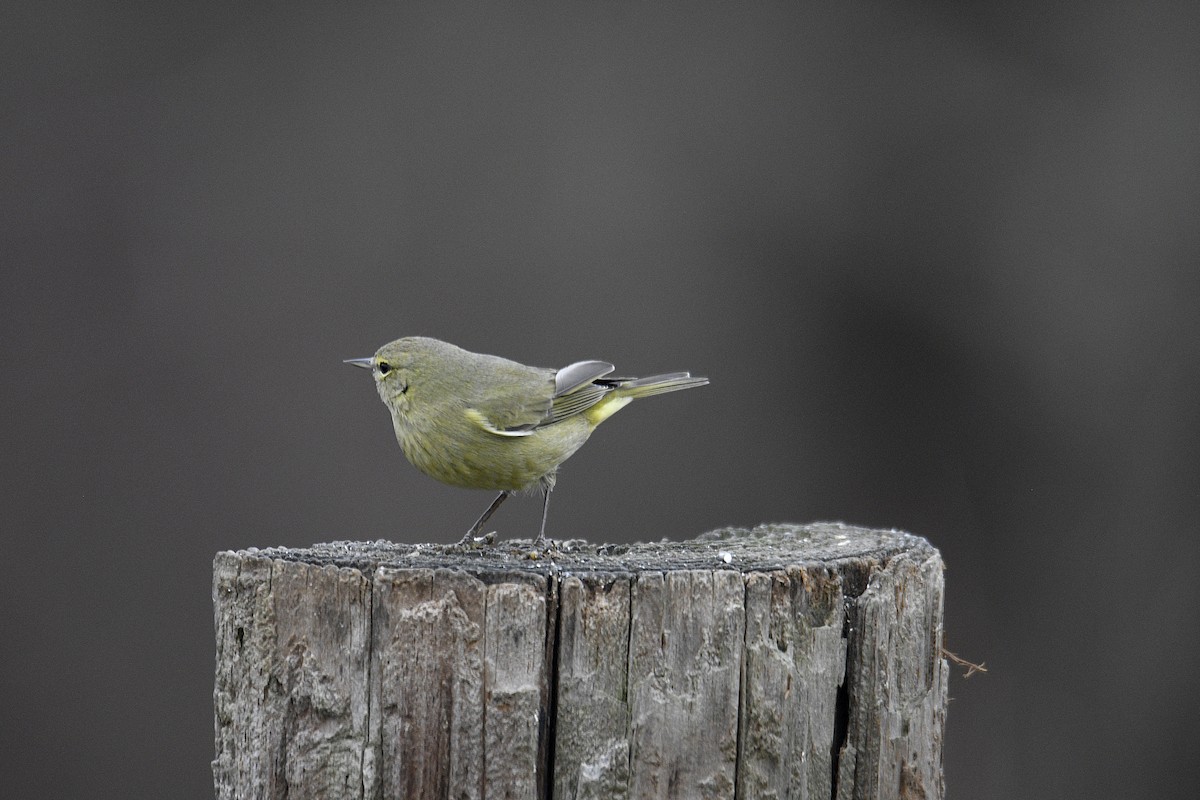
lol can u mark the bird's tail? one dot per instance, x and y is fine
(658, 384)
(625, 391)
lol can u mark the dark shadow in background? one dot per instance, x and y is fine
(940, 264)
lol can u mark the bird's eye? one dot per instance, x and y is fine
(384, 368)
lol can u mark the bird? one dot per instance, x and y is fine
(483, 422)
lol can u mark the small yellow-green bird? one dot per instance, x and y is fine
(484, 422)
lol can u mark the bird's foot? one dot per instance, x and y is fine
(542, 546)
(473, 541)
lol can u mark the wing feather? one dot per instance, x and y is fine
(483, 422)
(579, 374)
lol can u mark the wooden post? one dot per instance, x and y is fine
(779, 662)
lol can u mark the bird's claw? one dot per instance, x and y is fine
(471, 540)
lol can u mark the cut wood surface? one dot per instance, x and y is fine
(782, 661)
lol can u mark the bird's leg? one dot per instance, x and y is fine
(478, 526)
(541, 537)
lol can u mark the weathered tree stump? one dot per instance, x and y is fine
(779, 662)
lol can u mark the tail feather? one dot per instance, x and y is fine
(626, 390)
(659, 384)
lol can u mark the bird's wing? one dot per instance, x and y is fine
(528, 398)
(532, 398)
(509, 399)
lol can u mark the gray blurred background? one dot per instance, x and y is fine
(939, 260)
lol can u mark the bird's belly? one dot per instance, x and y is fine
(498, 463)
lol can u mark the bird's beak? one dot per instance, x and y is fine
(365, 363)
